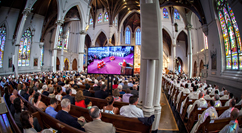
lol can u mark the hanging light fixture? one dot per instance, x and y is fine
(176, 27)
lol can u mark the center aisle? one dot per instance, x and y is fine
(167, 120)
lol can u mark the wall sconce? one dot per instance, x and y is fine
(33, 31)
(176, 27)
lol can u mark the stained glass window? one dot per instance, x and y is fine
(176, 14)
(127, 36)
(165, 13)
(24, 48)
(42, 56)
(205, 41)
(61, 41)
(99, 20)
(2, 43)
(231, 36)
(106, 17)
(138, 37)
(91, 21)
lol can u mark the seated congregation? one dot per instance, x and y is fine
(47, 101)
(201, 107)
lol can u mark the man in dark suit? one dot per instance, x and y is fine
(61, 82)
(65, 117)
(45, 90)
(97, 125)
(68, 96)
(86, 91)
(26, 94)
(97, 88)
(101, 93)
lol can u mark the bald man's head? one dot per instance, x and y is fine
(234, 114)
(15, 92)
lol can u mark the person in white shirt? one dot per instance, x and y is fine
(211, 111)
(217, 101)
(201, 103)
(233, 125)
(131, 110)
(222, 92)
(225, 96)
(227, 112)
(231, 95)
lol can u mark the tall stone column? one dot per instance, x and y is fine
(151, 64)
(119, 39)
(62, 53)
(81, 50)
(174, 56)
(19, 34)
(54, 52)
(189, 27)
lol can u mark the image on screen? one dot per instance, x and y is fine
(117, 60)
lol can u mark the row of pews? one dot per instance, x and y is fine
(208, 125)
(122, 124)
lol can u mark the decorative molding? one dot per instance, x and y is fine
(26, 11)
(83, 32)
(205, 29)
(59, 22)
(17, 45)
(41, 44)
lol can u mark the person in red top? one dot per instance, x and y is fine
(80, 99)
(102, 63)
(124, 63)
(115, 85)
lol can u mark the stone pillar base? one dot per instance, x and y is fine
(157, 114)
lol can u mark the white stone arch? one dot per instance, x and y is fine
(81, 13)
(179, 31)
(121, 24)
(168, 31)
(130, 35)
(98, 33)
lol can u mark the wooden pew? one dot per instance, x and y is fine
(213, 125)
(121, 123)
(10, 122)
(46, 121)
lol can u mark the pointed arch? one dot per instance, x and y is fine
(128, 31)
(101, 40)
(113, 40)
(25, 48)
(88, 41)
(201, 66)
(74, 64)
(99, 18)
(137, 36)
(57, 63)
(124, 18)
(195, 69)
(167, 42)
(106, 17)
(98, 33)
(165, 13)
(66, 64)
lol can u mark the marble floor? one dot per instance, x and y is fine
(170, 121)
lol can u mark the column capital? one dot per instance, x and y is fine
(188, 26)
(26, 11)
(205, 29)
(59, 22)
(173, 45)
(83, 32)
(81, 52)
(41, 44)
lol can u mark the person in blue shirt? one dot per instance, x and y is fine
(50, 110)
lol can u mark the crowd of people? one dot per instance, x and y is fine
(205, 96)
(33, 86)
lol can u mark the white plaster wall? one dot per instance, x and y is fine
(10, 24)
(181, 52)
